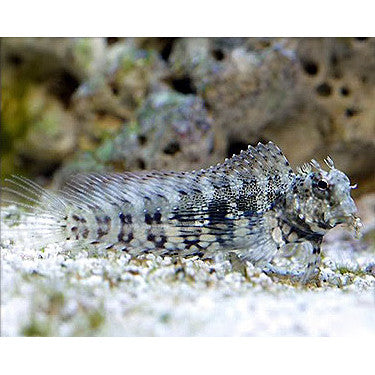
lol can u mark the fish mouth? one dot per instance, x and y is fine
(352, 221)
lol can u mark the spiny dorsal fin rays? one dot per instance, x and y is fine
(264, 152)
(329, 162)
(151, 182)
(34, 194)
(315, 164)
(100, 191)
(74, 199)
(272, 157)
(249, 161)
(305, 168)
(38, 191)
(260, 162)
(33, 204)
(264, 165)
(171, 183)
(86, 192)
(79, 194)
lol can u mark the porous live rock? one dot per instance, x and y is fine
(312, 96)
(288, 90)
(94, 87)
(37, 130)
(170, 131)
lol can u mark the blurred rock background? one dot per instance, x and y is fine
(84, 104)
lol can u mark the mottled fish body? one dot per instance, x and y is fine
(253, 204)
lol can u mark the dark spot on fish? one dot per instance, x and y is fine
(323, 225)
(101, 232)
(125, 219)
(190, 243)
(316, 250)
(217, 210)
(157, 217)
(148, 219)
(161, 242)
(85, 233)
(120, 236)
(199, 254)
(151, 237)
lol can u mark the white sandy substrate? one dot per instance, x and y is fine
(62, 293)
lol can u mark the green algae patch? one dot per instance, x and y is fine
(36, 329)
(96, 319)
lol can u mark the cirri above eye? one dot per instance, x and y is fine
(322, 184)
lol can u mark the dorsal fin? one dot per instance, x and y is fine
(265, 164)
(262, 160)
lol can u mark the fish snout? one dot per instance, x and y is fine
(348, 207)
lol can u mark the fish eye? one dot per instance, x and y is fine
(322, 184)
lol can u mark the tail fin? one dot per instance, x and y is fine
(34, 216)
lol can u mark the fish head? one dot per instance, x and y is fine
(326, 199)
